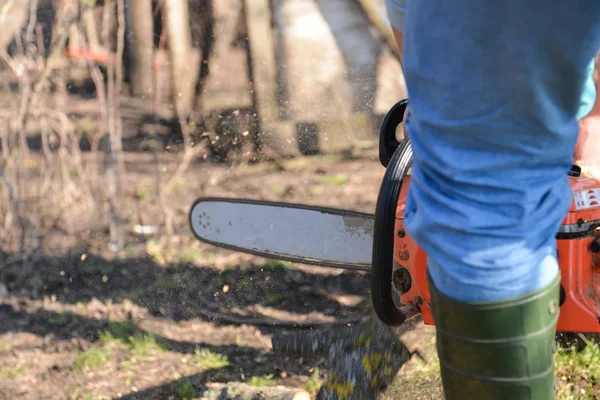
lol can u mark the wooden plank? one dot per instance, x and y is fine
(264, 76)
(227, 85)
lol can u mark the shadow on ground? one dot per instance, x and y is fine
(69, 301)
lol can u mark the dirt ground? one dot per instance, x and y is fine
(163, 318)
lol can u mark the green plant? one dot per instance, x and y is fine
(275, 299)
(60, 319)
(578, 372)
(209, 360)
(260, 381)
(117, 332)
(11, 372)
(142, 193)
(314, 382)
(189, 255)
(184, 390)
(275, 264)
(94, 357)
(335, 180)
(143, 345)
(155, 250)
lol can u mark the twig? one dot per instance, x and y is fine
(188, 155)
(584, 339)
(31, 97)
(33, 6)
(17, 69)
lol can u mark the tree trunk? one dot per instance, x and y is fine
(177, 23)
(141, 44)
(115, 167)
(240, 391)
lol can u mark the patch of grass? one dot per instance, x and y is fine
(140, 344)
(118, 332)
(184, 390)
(275, 299)
(125, 333)
(155, 250)
(11, 372)
(277, 189)
(578, 372)
(209, 360)
(335, 180)
(179, 184)
(261, 381)
(427, 388)
(60, 319)
(314, 382)
(277, 264)
(427, 371)
(164, 284)
(91, 358)
(189, 255)
(128, 366)
(108, 338)
(315, 190)
(143, 345)
(142, 193)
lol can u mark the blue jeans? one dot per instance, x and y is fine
(495, 91)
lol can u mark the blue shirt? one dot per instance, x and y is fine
(495, 90)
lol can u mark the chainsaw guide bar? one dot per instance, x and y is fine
(312, 235)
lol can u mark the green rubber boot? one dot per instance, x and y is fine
(500, 350)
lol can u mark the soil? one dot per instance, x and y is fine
(80, 322)
(60, 303)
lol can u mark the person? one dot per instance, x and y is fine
(496, 89)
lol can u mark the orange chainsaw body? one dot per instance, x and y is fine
(578, 257)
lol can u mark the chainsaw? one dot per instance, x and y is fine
(380, 244)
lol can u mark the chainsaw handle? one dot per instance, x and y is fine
(382, 265)
(387, 134)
